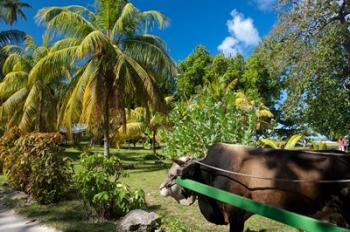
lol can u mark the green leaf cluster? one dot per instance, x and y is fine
(252, 76)
(99, 185)
(206, 120)
(309, 54)
(35, 165)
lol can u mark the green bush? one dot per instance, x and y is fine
(205, 121)
(37, 167)
(98, 181)
(7, 142)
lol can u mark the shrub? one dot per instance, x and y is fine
(206, 121)
(7, 142)
(37, 167)
(101, 190)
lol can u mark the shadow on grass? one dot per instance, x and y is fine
(153, 169)
(153, 207)
(66, 216)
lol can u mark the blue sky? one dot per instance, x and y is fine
(227, 26)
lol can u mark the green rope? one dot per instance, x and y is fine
(281, 215)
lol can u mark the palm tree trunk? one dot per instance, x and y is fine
(106, 129)
(154, 141)
(38, 120)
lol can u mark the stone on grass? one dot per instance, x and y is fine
(139, 221)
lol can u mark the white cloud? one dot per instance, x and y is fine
(265, 5)
(243, 34)
(229, 46)
(243, 29)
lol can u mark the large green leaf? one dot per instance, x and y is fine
(269, 143)
(290, 145)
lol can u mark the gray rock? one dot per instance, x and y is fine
(139, 221)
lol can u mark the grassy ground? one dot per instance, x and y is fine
(147, 173)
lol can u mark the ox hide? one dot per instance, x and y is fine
(306, 198)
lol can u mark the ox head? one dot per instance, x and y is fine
(182, 167)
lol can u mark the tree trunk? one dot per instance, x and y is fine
(38, 120)
(154, 141)
(106, 129)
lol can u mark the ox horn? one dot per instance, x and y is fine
(178, 162)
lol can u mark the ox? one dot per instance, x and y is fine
(306, 198)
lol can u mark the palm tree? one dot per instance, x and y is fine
(28, 101)
(119, 61)
(10, 10)
(8, 14)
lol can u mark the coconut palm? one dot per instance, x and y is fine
(119, 58)
(28, 101)
(10, 10)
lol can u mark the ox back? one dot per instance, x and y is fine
(304, 197)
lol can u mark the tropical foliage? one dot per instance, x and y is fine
(119, 61)
(289, 145)
(29, 99)
(309, 54)
(34, 165)
(206, 120)
(10, 10)
(101, 190)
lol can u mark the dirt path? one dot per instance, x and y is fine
(12, 222)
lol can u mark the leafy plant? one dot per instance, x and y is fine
(36, 167)
(172, 225)
(6, 143)
(289, 145)
(101, 190)
(207, 120)
(120, 62)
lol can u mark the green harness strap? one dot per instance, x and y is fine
(281, 215)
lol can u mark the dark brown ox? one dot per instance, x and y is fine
(306, 198)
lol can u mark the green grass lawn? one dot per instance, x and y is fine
(147, 173)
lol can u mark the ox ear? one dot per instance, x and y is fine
(179, 162)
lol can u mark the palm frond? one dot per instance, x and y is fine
(152, 17)
(156, 100)
(50, 66)
(11, 36)
(46, 39)
(12, 82)
(91, 105)
(96, 43)
(46, 14)
(73, 108)
(128, 20)
(14, 102)
(10, 62)
(23, 65)
(40, 53)
(57, 18)
(150, 51)
(30, 108)
(65, 43)
(82, 11)
(29, 42)
(10, 49)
